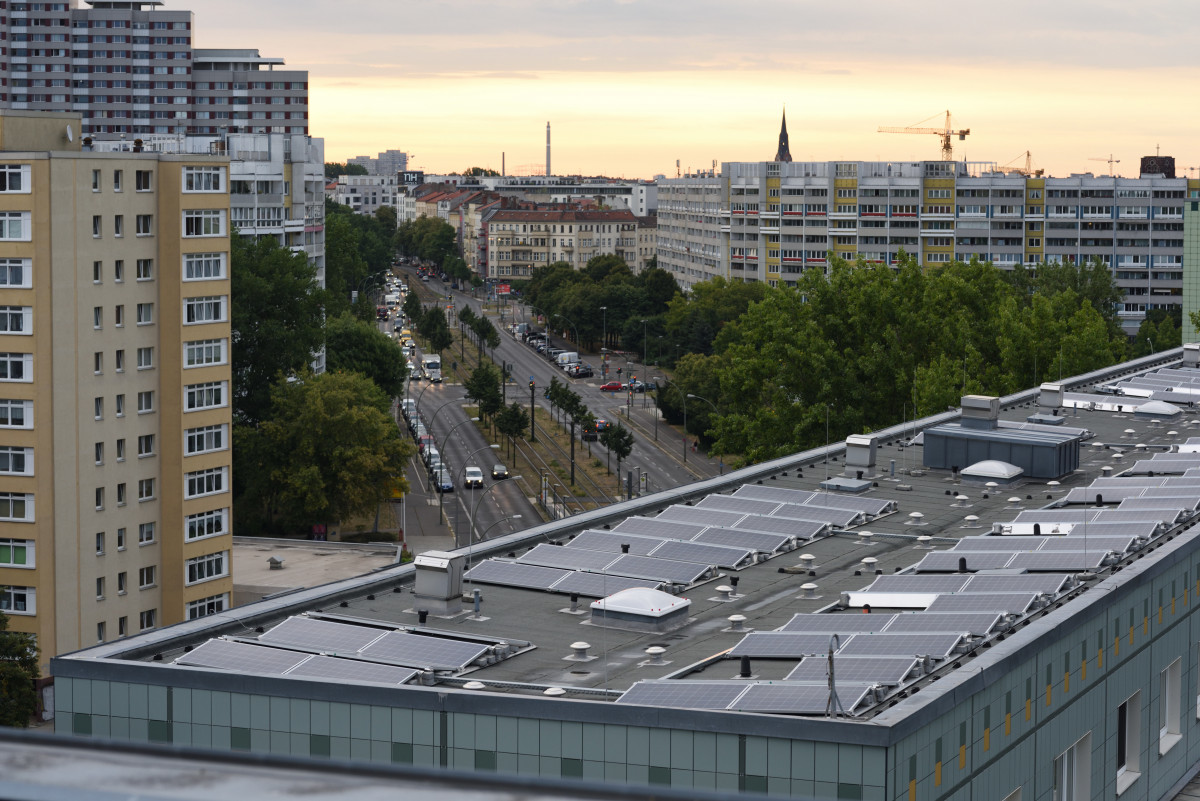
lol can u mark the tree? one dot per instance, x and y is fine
(276, 317)
(435, 329)
(511, 422)
(483, 385)
(480, 172)
(335, 168)
(18, 675)
(412, 307)
(386, 217)
(329, 451)
(353, 345)
(619, 441)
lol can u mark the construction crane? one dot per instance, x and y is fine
(1110, 161)
(1027, 170)
(945, 133)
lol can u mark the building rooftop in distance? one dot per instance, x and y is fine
(729, 599)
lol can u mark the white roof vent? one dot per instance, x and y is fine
(641, 609)
(992, 470)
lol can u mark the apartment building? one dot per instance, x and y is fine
(647, 242)
(770, 221)
(114, 385)
(389, 162)
(520, 240)
(366, 193)
(130, 67)
(639, 197)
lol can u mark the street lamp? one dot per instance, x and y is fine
(483, 535)
(672, 383)
(441, 494)
(573, 328)
(461, 475)
(604, 323)
(475, 511)
(718, 411)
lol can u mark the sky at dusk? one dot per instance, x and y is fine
(630, 86)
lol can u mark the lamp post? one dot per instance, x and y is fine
(461, 476)
(604, 324)
(475, 511)
(573, 328)
(441, 494)
(483, 535)
(718, 411)
(672, 383)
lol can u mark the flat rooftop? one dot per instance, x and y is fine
(756, 572)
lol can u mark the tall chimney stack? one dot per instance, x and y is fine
(548, 148)
(502, 171)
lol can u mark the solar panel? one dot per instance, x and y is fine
(887, 670)
(932, 584)
(729, 503)
(765, 493)
(328, 667)
(658, 527)
(242, 657)
(322, 635)
(1094, 542)
(416, 650)
(800, 529)
(599, 585)
(663, 569)
(705, 554)
(704, 517)
(606, 541)
(992, 543)
(683, 694)
(1016, 544)
(798, 699)
(836, 624)
(511, 574)
(754, 540)
(1160, 467)
(783, 644)
(978, 623)
(838, 517)
(567, 558)
(871, 506)
(1050, 561)
(948, 561)
(1050, 584)
(1015, 603)
(1144, 530)
(938, 646)
(1165, 505)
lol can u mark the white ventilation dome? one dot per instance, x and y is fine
(641, 609)
(993, 470)
(1158, 409)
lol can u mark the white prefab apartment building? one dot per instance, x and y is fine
(771, 221)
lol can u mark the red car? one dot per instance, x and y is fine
(612, 386)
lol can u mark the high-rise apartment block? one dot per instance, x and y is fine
(770, 221)
(388, 163)
(114, 385)
(130, 67)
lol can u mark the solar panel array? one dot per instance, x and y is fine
(979, 624)
(249, 658)
(678, 550)
(797, 698)
(534, 577)
(374, 643)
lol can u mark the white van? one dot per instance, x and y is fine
(564, 359)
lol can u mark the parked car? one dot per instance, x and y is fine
(473, 477)
(612, 386)
(424, 441)
(499, 472)
(431, 454)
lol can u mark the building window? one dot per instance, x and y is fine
(119, 225)
(16, 553)
(145, 224)
(99, 498)
(145, 313)
(145, 269)
(15, 273)
(14, 226)
(203, 266)
(96, 230)
(1169, 706)
(1072, 771)
(146, 577)
(99, 546)
(16, 413)
(100, 589)
(204, 352)
(18, 600)
(145, 533)
(97, 363)
(211, 395)
(122, 495)
(97, 317)
(203, 179)
(207, 567)
(119, 271)
(145, 358)
(206, 482)
(207, 606)
(117, 176)
(146, 619)
(1128, 741)
(120, 363)
(16, 367)
(122, 583)
(120, 407)
(17, 460)
(207, 524)
(204, 222)
(204, 310)
(120, 539)
(122, 626)
(119, 315)
(142, 181)
(98, 408)
(99, 453)
(145, 489)
(16, 320)
(146, 402)
(146, 445)
(205, 440)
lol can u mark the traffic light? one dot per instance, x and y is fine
(618, 372)
(532, 384)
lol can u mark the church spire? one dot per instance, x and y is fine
(784, 153)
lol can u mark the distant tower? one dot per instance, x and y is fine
(547, 147)
(784, 153)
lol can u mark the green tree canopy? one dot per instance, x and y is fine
(357, 346)
(18, 675)
(335, 168)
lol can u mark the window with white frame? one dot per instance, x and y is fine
(16, 273)
(145, 358)
(203, 179)
(203, 266)
(99, 498)
(99, 448)
(14, 179)
(147, 619)
(14, 226)
(16, 367)
(1169, 692)
(146, 402)
(206, 482)
(18, 600)
(16, 320)
(146, 533)
(210, 395)
(146, 445)
(145, 489)
(204, 309)
(207, 606)
(15, 461)
(98, 362)
(1073, 771)
(119, 315)
(207, 524)
(100, 588)
(143, 180)
(204, 352)
(145, 269)
(205, 439)
(97, 229)
(17, 553)
(119, 225)
(145, 313)
(98, 408)
(97, 317)
(120, 410)
(146, 577)
(120, 361)
(1128, 741)
(122, 494)
(207, 567)
(16, 413)
(117, 176)
(204, 222)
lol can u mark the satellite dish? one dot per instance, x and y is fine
(70, 134)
